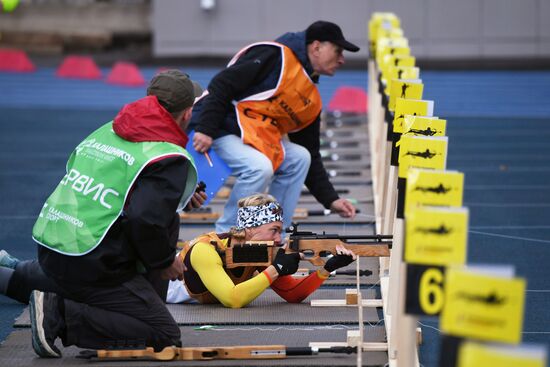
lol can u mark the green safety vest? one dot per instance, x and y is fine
(91, 195)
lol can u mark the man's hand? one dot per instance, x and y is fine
(196, 201)
(201, 142)
(342, 258)
(174, 271)
(343, 207)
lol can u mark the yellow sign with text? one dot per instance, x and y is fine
(436, 236)
(482, 306)
(403, 107)
(433, 187)
(471, 354)
(422, 152)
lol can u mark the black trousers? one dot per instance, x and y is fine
(128, 315)
(28, 276)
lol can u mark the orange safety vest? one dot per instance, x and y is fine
(295, 103)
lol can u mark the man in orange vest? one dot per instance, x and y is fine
(261, 116)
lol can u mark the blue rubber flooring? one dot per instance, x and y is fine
(498, 128)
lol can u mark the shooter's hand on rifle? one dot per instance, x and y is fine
(286, 264)
(343, 257)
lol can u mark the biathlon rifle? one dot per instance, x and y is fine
(303, 213)
(209, 353)
(317, 245)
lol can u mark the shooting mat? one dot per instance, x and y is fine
(267, 309)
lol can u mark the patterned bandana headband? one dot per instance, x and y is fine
(254, 216)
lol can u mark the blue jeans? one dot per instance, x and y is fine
(254, 174)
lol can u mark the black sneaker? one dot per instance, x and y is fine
(45, 321)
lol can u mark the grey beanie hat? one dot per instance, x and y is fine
(174, 90)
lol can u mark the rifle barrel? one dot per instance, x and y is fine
(309, 351)
(364, 272)
(314, 236)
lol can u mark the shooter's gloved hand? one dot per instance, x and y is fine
(286, 264)
(342, 258)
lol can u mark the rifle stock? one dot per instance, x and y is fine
(314, 244)
(250, 253)
(194, 353)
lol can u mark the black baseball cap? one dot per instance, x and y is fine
(174, 90)
(326, 31)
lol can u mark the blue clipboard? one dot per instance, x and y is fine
(214, 177)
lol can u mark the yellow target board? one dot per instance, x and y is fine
(383, 25)
(391, 46)
(482, 306)
(396, 66)
(422, 152)
(391, 60)
(424, 126)
(436, 236)
(400, 72)
(403, 107)
(471, 354)
(406, 89)
(433, 187)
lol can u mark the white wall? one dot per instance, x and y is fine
(437, 29)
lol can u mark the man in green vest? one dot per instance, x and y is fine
(112, 221)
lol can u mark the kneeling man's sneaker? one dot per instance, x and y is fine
(7, 260)
(45, 323)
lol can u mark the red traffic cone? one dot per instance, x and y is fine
(125, 73)
(79, 67)
(349, 100)
(15, 61)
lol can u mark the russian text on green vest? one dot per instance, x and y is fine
(91, 196)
